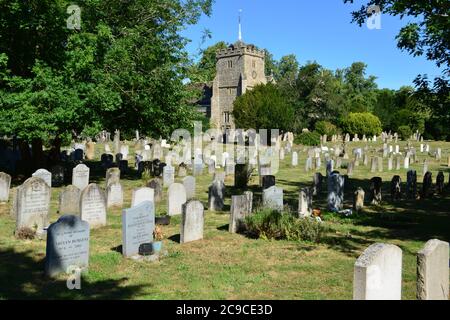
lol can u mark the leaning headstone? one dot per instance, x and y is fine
(93, 206)
(305, 208)
(138, 224)
(189, 184)
(69, 201)
(358, 200)
(80, 176)
(156, 185)
(192, 222)
(142, 195)
(378, 273)
(5, 184)
(114, 194)
(44, 175)
(335, 197)
(216, 196)
(273, 198)
(175, 199)
(67, 246)
(33, 205)
(433, 271)
(241, 207)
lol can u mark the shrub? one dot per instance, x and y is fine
(308, 139)
(326, 127)
(362, 124)
(272, 224)
(26, 234)
(405, 132)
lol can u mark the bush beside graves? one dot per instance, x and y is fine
(277, 225)
(308, 139)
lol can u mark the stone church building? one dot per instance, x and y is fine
(239, 68)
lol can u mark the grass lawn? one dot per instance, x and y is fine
(231, 266)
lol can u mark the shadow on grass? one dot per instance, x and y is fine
(22, 277)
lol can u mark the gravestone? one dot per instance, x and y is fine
(67, 246)
(192, 222)
(175, 199)
(123, 166)
(427, 185)
(219, 176)
(198, 167)
(142, 195)
(5, 184)
(273, 198)
(358, 200)
(33, 205)
(58, 175)
(44, 175)
(330, 167)
(156, 185)
(216, 196)
(440, 182)
(114, 194)
(241, 207)
(335, 197)
(93, 206)
(350, 167)
(189, 184)
(138, 224)
(241, 175)
(373, 165)
(375, 190)
(182, 170)
(69, 201)
(90, 151)
(396, 190)
(390, 163)
(107, 160)
(168, 175)
(112, 174)
(268, 181)
(294, 159)
(433, 271)
(80, 176)
(305, 208)
(378, 273)
(317, 183)
(411, 184)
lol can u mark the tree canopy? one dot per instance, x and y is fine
(124, 69)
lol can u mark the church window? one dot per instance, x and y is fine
(226, 117)
(254, 64)
(230, 64)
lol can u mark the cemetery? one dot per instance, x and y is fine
(384, 228)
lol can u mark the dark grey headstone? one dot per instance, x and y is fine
(138, 224)
(67, 245)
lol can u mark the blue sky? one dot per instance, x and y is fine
(317, 30)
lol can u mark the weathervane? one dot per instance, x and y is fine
(240, 27)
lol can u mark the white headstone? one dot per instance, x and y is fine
(80, 176)
(175, 199)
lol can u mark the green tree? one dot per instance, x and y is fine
(360, 95)
(264, 107)
(362, 124)
(123, 70)
(205, 69)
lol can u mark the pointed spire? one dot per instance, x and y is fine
(240, 27)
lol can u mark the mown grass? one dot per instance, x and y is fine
(227, 266)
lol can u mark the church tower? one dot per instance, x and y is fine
(239, 68)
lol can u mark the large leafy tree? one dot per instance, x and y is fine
(264, 107)
(123, 70)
